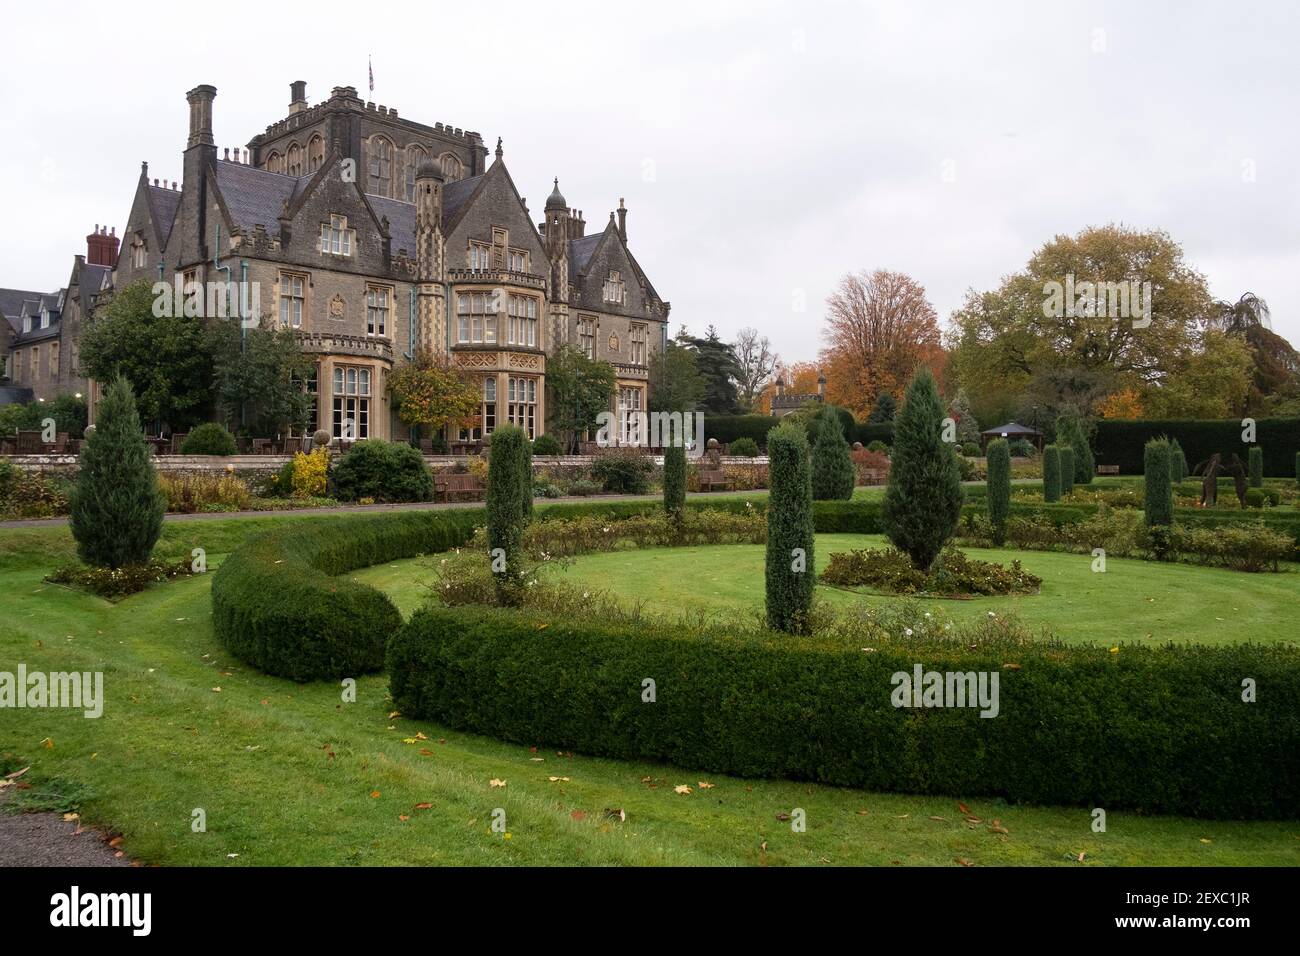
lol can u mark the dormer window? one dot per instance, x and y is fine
(615, 292)
(336, 237)
(518, 261)
(480, 257)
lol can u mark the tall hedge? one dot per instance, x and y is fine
(923, 498)
(1122, 443)
(1255, 466)
(833, 475)
(505, 507)
(116, 508)
(1178, 468)
(674, 479)
(1067, 468)
(1051, 473)
(1160, 730)
(790, 574)
(1070, 431)
(999, 486)
(1159, 501)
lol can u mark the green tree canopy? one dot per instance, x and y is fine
(579, 389)
(258, 376)
(676, 384)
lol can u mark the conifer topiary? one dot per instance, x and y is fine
(1255, 466)
(1069, 431)
(790, 575)
(505, 507)
(116, 508)
(1159, 494)
(1051, 473)
(999, 486)
(1067, 468)
(923, 499)
(833, 476)
(675, 480)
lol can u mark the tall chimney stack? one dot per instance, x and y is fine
(622, 219)
(297, 96)
(200, 99)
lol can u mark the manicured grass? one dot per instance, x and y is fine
(286, 773)
(1133, 601)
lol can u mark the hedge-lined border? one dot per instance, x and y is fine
(1159, 730)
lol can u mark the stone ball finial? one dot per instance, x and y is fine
(90, 431)
(711, 444)
(320, 438)
(857, 446)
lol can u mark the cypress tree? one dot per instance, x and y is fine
(1179, 461)
(1067, 468)
(675, 480)
(833, 476)
(790, 574)
(116, 508)
(505, 508)
(999, 486)
(1159, 500)
(1051, 473)
(882, 413)
(1256, 466)
(1069, 431)
(923, 498)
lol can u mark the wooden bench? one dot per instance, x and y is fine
(1108, 469)
(716, 478)
(449, 485)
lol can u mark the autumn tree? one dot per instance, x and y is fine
(879, 329)
(431, 391)
(1025, 343)
(1126, 404)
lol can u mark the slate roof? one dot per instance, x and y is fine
(401, 222)
(1011, 428)
(163, 204)
(255, 196)
(11, 302)
(580, 251)
(455, 195)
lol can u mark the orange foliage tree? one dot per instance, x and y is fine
(879, 329)
(1124, 404)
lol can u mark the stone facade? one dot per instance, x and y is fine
(373, 237)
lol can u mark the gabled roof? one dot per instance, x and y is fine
(581, 251)
(457, 194)
(11, 301)
(255, 196)
(1011, 428)
(163, 204)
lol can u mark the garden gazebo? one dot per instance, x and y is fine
(1012, 431)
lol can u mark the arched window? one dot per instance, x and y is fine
(450, 167)
(273, 162)
(414, 157)
(381, 167)
(315, 153)
(293, 162)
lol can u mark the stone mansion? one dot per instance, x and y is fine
(373, 236)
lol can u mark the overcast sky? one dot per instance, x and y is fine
(764, 149)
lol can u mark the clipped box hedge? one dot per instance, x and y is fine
(1121, 443)
(1159, 730)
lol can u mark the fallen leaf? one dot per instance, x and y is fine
(1203, 840)
(943, 819)
(423, 806)
(18, 773)
(69, 817)
(216, 690)
(396, 713)
(705, 785)
(419, 735)
(681, 788)
(862, 813)
(963, 808)
(783, 816)
(1080, 857)
(48, 743)
(425, 752)
(578, 815)
(494, 782)
(403, 817)
(558, 779)
(374, 794)
(115, 842)
(962, 860)
(616, 813)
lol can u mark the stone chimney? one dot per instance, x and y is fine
(101, 246)
(297, 96)
(622, 220)
(821, 386)
(200, 99)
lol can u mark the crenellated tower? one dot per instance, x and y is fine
(431, 259)
(557, 231)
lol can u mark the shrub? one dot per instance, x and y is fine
(970, 449)
(116, 509)
(878, 446)
(1255, 466)
(1051, 474)
(1255, 498)
(790, 570)
(506, 492)
(744, 447)
(384, 471)
(622, 471)
(1069, 431)
(1153, 729)
(582, 488)
(923, 498)
(310, 473)
(8, 475)
(1179, 461)
(953, 574)
(33, 494)
(1158, 504)
(119, 582)
(833, 475)
(210, 438)
(1022, 448)
(547, 445)
(674, 479)
(727, 428)
(187, 494)
(999, 485)
(1121, 442)
(1067, 468)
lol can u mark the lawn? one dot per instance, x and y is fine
(290, 774)
(1133, 601)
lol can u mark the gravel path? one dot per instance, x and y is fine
(46, 839)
